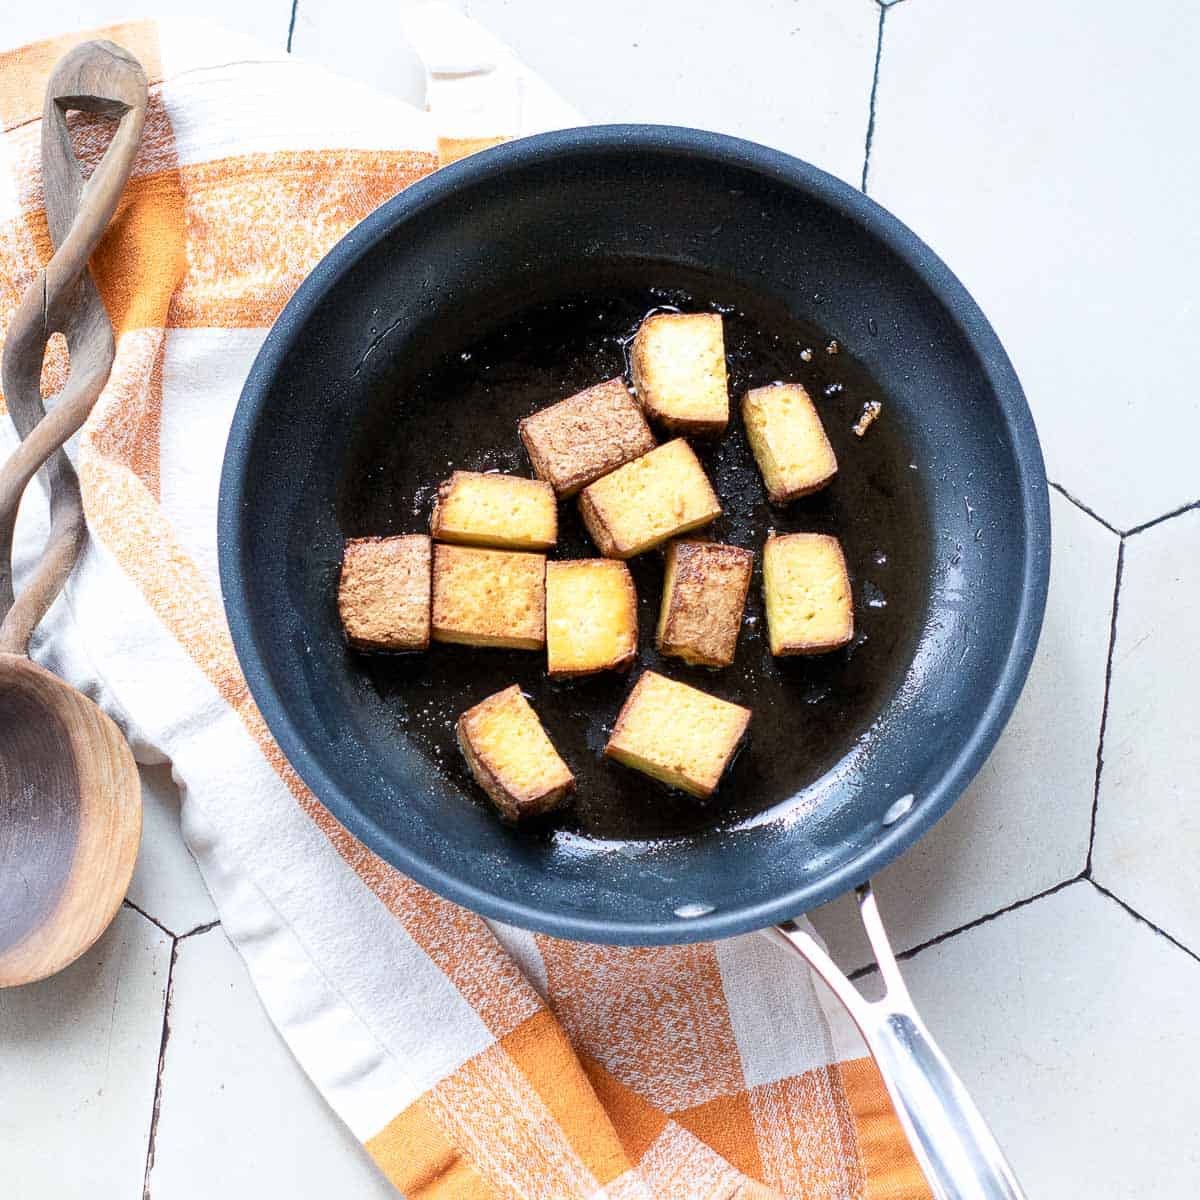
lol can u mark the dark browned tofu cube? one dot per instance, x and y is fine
(704, 595)
(383, 593)
(511, 756)
(574, 442)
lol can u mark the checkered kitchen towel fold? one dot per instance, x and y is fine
(471, 1060)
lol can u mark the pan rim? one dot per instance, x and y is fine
(959, 306)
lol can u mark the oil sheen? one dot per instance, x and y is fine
(461, 412)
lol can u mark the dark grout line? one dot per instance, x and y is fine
(1175, 512)
(292, 24)
(1083, 877)
(199, 930)
(871, 106)
(905, 955)
(1108, 672)
(1137, 916)
(141, 912)
(162, 1062)
(1079, 504)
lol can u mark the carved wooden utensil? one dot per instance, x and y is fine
(70, 801)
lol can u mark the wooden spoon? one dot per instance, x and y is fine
(70, 799)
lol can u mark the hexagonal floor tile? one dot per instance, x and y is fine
(266, 22)
(810, 68)
(388, 63)
(166, 883)
(1148, 819)
(1024, 823)
(225, 1067)
(78, 1056)
(1056, 1015)
(1047, 152)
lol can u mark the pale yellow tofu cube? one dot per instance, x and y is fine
(678, 367)
(512, 757)
(645, 502)
(677, 734)
(807, 588)
(489, 597)
(383, 592)
(788, 440)
(704, 595)
(591, 616)
(474, 508)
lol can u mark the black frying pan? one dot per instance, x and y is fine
(510, 279)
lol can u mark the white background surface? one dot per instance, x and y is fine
(1047, 151)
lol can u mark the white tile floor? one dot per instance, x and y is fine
(79, 1065)
(1148, 820)
(1037, 147)
(226, 1066)
(1046, 151)
(1073, 1024)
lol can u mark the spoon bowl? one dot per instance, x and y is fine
(70, 821)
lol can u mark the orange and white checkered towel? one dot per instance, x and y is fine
(472, 1060)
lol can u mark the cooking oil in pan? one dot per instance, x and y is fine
(809, 713)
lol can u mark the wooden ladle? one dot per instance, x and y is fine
(70, 799)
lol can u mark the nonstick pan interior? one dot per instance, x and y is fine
(810, 714)
(506, 282)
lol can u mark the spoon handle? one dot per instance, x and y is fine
(95, 77)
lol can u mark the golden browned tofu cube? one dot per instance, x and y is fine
(511, 756)
(807, 588)
(704, 594)
(678, 363)
(477, 509)
(678, 734)
(788, 440)
(489, 597)
(383, 593)
(591, 616)
(645, 502)
(574, 442)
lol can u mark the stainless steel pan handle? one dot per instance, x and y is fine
(956, 1150)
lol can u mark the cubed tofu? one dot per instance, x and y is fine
(511, 756)
(383, 593)
(591, 616)
(704, 594)
(489, 597)
(807, 589)
(645, 502)
(579, 439)
(678, 367)
(506, 511)
(788, 441)
(677, 734)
